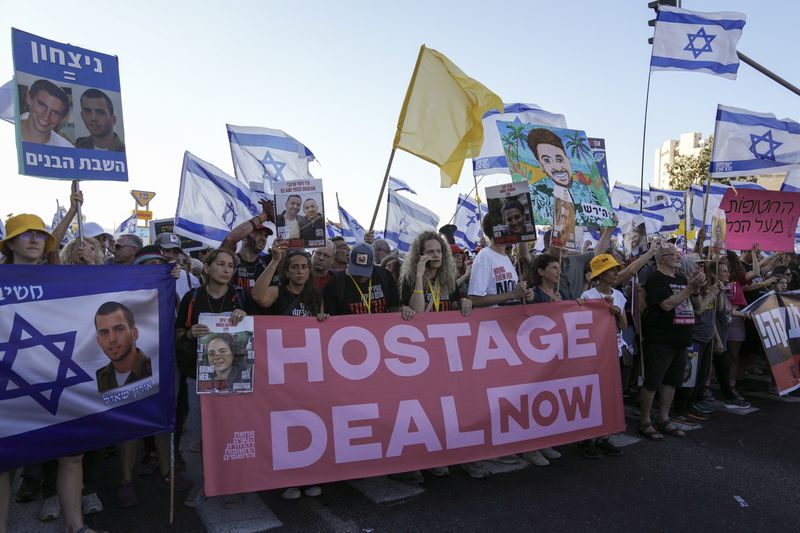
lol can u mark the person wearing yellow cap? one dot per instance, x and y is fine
(604, 271)
(27, 241)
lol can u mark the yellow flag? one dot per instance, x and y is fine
(441, 119)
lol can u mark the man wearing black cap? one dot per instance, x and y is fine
(362, 288)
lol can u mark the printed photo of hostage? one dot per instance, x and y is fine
(225, 363)
(301, 222)
(117, 335)
(97, 113)
(563, 234)
(46, 107)
(510, 213)
(634, 242)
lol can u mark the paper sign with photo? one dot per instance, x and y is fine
(225, 356)
(510, 213)
(301, 216)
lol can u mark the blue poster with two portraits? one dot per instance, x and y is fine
(84, 364)
(68, 111)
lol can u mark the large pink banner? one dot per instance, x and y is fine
(360, 396)
(768, 218)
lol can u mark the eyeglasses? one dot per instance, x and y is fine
(32, 233)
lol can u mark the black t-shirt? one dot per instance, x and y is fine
(247, 272)
(447, 302)
(290, 304)
(672, 329)
(343, 298)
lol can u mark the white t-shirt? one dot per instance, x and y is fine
(55, 138)
(492, 273)
(619, 301)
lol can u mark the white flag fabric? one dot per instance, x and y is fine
(469, 232)
(352, 231)
(397, 185)
(262, 156)
(622, 194)
(211, 203)
(492, 158)
(630, 217)
(332, 230)
(127, 226)
(792, 181)
(747, 143)
(7, 101)
(698, 201)
(405, 220)
(675, 199)
(697, 42)
(670, 219)
(58, 216)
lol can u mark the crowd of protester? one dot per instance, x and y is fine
(663, 302)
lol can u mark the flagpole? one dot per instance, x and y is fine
(685, 219)
(76, 187)
(383, 188)
(768, 73)
(477, 198)
(644, 137)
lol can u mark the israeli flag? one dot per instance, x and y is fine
(7, 101)
(697, 42)
(332, 230)
(211, 203)
(58, 216)
(492, 157)
(352, 231)
(127, 226)
(405, 220)
(698, 201)
(397, 185)
(670, 219)
(622, 193)
(262, 156)
(675, 199)
(469, 232)
(629, 217)
(747, 143)
(792, 181)
(2, 231)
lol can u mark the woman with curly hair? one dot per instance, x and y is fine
(86, 251)
(428, 277)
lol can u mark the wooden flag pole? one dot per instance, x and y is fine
(76, 187)
(383, 189)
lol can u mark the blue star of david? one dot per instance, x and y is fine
(701, 34)
(403, 225)
(229, 215)
(277, 167)
(15, 343)
(471, 219)
(767, 138)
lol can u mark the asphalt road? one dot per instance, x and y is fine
(738, 472)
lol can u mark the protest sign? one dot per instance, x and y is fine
(563, 234)
(562, 160)
(634, 241)
(510, 213)
(68, 111)
(167, 225)
(306, 230)
(768, 218)
(225, 356)
(361, 396)
(777, 319)
(59, 391)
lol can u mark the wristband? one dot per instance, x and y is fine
(417, 291)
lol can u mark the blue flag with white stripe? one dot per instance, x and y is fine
(468, 233)
(67, 385)
(492, 157)
(405, 220)
(697, 42)
(262, 156)
(352, 231)
(211, 203)
(747, 143)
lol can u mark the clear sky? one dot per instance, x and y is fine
(334, 74)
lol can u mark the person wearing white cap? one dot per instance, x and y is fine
(96, 231)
